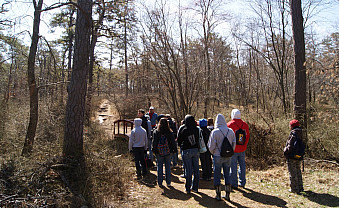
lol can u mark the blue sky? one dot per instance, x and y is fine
(21, 12)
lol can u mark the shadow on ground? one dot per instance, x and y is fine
(263, 198)
(323, 199)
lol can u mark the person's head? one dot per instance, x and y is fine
(163, 126)
(202, 122)
(190, 122)
(151, 109)
(294, 123)
(220, 121)
(235, 114)
(210, 122)
(141, 113)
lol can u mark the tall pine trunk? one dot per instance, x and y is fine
(75, 108)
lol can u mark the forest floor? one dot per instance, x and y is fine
(264, 188)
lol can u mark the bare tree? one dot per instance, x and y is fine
(32, 85)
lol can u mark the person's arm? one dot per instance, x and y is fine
(149, 127)
(212, 142)
(288, 148)
(130, 142)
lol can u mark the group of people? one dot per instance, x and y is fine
(158, 135)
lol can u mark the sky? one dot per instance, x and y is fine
(21, 13)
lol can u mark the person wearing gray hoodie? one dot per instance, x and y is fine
(215, 141)
(138, 145)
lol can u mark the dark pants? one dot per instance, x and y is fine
(206, 165)
(294, 170)
(139, 158)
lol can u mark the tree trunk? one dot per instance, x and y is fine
(299, 63)
(33, 90)
(75, 108)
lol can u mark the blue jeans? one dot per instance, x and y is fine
(225, 164)
(238, 158)
(174, 158)
(139, 160)
(160, 166)
(191, 165)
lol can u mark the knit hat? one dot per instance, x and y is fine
(202, 122)
(294, 123)
(235, 114)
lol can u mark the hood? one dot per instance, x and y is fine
(190, 122)
(220, 121)
(137, 122)
(235, 114)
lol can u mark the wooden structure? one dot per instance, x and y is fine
(125, 125)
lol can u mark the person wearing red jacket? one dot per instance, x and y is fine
(239, 153)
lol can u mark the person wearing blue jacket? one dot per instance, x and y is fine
(138, 146)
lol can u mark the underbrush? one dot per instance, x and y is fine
(39, 180)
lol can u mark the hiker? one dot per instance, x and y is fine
(242, 134)
(152, 116)
(210, 124)
(163, 146)
(188, 140)
(146, 124)
(138, 146)
(215, 141)
(294, 161)
(205, 158)
(173, 126)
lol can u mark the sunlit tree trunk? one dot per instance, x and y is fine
(75, 108)
(300, 95)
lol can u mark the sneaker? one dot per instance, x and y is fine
(294, 191)
(195, 191)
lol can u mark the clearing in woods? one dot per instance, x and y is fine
(265, 188)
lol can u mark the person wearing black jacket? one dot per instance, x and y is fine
(163, 146)
(188, 140)
(205, 158)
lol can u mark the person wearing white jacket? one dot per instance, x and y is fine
(214, 144)
(138, 145)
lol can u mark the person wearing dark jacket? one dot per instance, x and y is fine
(205, 158)
(293, 164)
(163, 146)
(188, 140)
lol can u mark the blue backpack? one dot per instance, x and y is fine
(298, 149)
(163, 147)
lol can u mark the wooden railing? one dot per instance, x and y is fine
(125, 125)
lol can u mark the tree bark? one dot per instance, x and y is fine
(299, 63)
(33, 90)
(75, 108)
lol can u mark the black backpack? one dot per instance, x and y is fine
(226, 147)
(240, 136)
(298, 149)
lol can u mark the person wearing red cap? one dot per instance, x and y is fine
(293, 164)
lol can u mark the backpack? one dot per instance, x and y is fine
(240, 136)
(298, 149)
(163, 147)
(226, 148)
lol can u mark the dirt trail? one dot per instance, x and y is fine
(263, 188)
